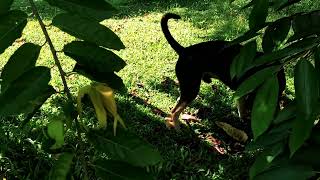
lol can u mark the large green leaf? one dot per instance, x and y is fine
(264, 160)
(288, 171)
(56, 132)
(99, 59)
(61, 167)
(90, 31)
(288, 51)
(94, 9)
(280, 4)
(315, 137)
(117, 170)
(5, 6)
(274, 135)
(11, 27)
(243, 60)
(110, 78)
(306, 87)
(264, 106)
(24, 91)
(287, 113)
(255, 80)
(308, 156)
(317, 65)
(275, 33)
(36, 104)
(125, 147)
(301, 130)
(251, 33)
(21, 61)
(305, 25)
(306, 90)
(258, 14)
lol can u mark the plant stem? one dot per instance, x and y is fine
(53, 51)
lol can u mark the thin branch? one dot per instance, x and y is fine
(44, 43)
(53, 51)
(62, 75)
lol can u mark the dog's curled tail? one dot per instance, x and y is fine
(165, 29)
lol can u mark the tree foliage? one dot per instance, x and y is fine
(283, 138)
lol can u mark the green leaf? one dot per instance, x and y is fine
(280, 4)
(287, 113)
(87, 30)
(24, 91)
(258, 14)
(317, 64)
(264, 160)
(275, 34)
(252, 2)
(11, 27)
(305, 25)
(255, 80)
(70, 112)
(56, 132)
(99, 59)
(21, 61)
(97, 9)
(315, 137)
(117, 170)
(243, 60)
(110, 78)
(288, 171)
(274, 135)
(248, 35)
(306, 87)
(61, 167)
(36, 104)
(288, 51)
(5, 6)
(308, 156)
(306, 90)
(125, 147)
(301, 130)
(264, 106)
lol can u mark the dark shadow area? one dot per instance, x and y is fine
(167, 85)
(184, 152)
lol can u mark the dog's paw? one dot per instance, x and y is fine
(171, 124)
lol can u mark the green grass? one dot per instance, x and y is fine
(150, 60)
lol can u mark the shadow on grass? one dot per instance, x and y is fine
(186, 156)
(125, 7)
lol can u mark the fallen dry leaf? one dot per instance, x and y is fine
(233, 132)
(215, 143)
(190, 118)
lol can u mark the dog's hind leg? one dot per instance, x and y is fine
(173, 120)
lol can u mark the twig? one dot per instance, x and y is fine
(57, 62)
(53, 51)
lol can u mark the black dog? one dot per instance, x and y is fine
(203, 61)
